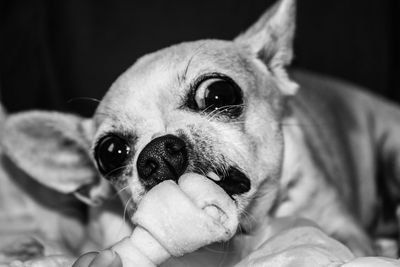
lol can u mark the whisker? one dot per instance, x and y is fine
(126, 208)
(84, 98)
(199, 171)
(117, 169)
(206, 111)
(123, 222)
(222, 109)
(121, 190)
(183, 76)
(249, 217)
(241, 229)
(214, 113)
(236, 122)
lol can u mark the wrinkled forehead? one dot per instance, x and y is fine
(164, 76)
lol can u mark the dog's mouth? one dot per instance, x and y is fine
(233, 181)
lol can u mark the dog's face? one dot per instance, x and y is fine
(209, 107)
(205, 107)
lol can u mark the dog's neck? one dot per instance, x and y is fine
(295, 163)
(303, 190)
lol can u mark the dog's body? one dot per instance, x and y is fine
(350, 138)
(276, 153)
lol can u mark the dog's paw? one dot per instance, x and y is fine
(105, 258)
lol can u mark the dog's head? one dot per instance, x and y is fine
(210, 107)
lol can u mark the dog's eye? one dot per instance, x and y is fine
(219, 94)
(111, 154)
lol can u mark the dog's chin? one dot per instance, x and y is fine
(232, 180)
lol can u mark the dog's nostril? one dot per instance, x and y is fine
(174, 147)
(151, 166)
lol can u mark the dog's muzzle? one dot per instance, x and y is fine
(164, 158)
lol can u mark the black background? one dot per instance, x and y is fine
(55, 51)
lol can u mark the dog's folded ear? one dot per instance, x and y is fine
(54, 148)
(271, 39)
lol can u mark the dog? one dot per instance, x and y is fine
(279, 143)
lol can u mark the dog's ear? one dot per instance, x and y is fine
(54, 148)
(271, 39)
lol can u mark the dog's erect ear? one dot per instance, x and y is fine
(271, 38)
(54, 149)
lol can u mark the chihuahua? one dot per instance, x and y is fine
(278, 143)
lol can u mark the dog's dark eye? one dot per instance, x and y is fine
(111, 154)
(219, 94)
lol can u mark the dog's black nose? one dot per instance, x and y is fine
(164, 158)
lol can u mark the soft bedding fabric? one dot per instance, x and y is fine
(178, 219)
